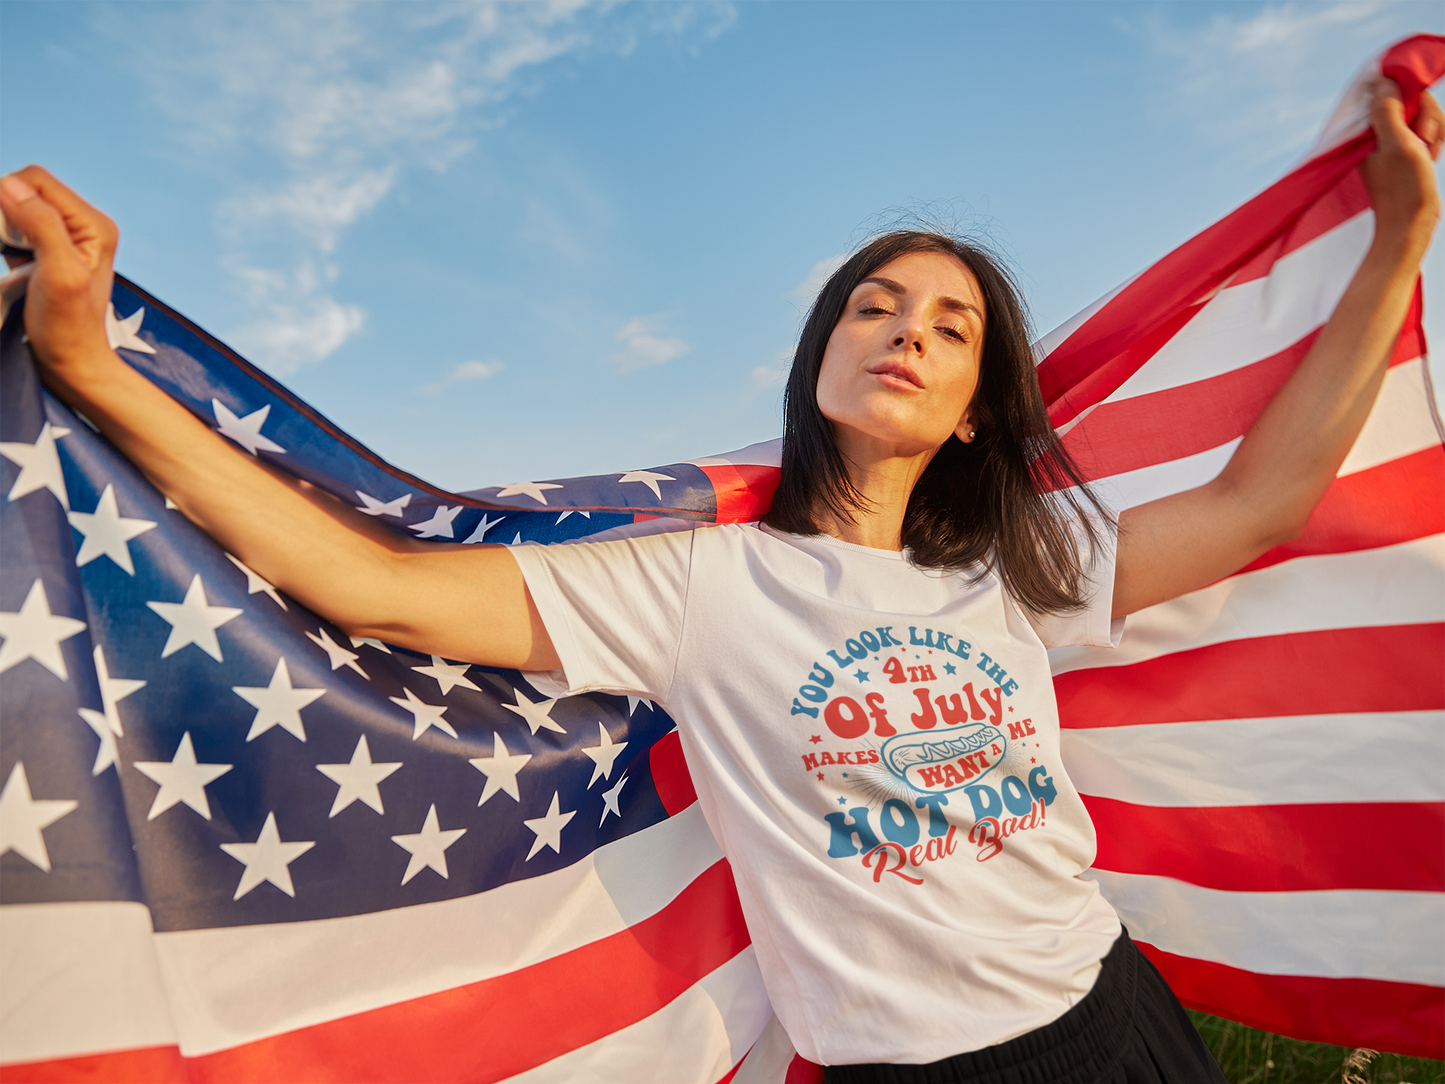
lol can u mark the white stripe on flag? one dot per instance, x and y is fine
(1292, 760)
(1392, 936)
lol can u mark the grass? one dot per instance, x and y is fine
(1248, 1056)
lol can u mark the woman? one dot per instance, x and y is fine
(890, 616)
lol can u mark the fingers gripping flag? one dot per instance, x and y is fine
(238, 844)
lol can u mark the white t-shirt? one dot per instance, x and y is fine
(876, 749)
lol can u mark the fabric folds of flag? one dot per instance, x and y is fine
(236, 844)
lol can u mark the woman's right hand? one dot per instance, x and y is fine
(69, 290)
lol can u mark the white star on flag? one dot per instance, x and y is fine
(358, 779)
(106, 723)
(538, 713)
(337, 654)
(611, 800)
(107, 533)
(35, 633)
(501, 770)
(440, 524)
(193, 621)
(374, 507)
(278, 704)
(516, 541)
(479, 533)
(428, 847)
(124, 334)
(448, 675)
(548, 829)
(531, 489)
(39, 464)
(574, 512)
(357, 641)
(633, 701)
(604, 756)
(256, 585)
(648, 478)
(245, 431)
(23, 818)
(181, 779)
(424, 715)
(267, 859)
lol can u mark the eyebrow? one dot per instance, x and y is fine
(895, 287)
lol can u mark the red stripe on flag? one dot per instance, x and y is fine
(491, 1030)
(1170, 424)
(743, 491)
(148, 1065)
(1401, 1017)
(1377, 846)
(803, 1071)
(670, 777)
(1380, 668)
(1382, 506)
(1334, 208)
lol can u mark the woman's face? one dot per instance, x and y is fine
(901, 366)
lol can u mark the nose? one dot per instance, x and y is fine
(909, 335)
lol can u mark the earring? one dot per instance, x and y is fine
(970, 434)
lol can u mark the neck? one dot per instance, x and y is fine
(884, 478)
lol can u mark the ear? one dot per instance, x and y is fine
(965, 429)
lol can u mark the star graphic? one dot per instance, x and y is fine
(35, 633)
(123, 334)
(1010, 707)
(373, 507)
(648, 478)
(107, 532)
(633, 701)
(256, 585)
(479, 533)
(1032, 760)
(106, 723)
(337, 654)
(424, 715)
(501, 770)
(278, 704)
(610, 800)
(39, 464)
(548, 829)
(531, 489)
(181, 779)
(358, 779)
(861, 675)
(537, 713)
(448, 675)
(440, 524)
(949, 668)
(428, 847)
(816, 738)
(245, 431)
(820, 777)
(357, 641)
(193, 621)
(604, 756)
(516, 541)
(842, 801)
(23, 818)
(267, 859)
(574, 512)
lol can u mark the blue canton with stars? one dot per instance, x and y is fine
(179, 733)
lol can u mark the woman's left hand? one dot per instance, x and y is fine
(1400, 174)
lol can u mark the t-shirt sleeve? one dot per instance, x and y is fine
(1094, 625)
(614, 609)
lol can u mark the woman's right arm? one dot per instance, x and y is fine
(462, 602)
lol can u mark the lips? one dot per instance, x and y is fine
(897, 369)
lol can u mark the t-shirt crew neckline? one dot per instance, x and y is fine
(838, 543)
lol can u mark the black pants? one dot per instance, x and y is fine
(1129, 1029)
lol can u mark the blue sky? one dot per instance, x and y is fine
(497, 242)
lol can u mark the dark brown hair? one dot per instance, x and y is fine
(1005, 501)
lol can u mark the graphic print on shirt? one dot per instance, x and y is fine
(934, 752)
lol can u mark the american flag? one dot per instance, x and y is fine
(236, 844)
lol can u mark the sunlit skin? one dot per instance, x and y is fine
(897, 380)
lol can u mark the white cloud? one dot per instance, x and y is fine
(767, 376)
(1262, 80)
(467, 370)
(290, 336)
(320, 207)
(807, 291)
(644, 346)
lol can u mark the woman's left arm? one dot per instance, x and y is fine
(1289, 457)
